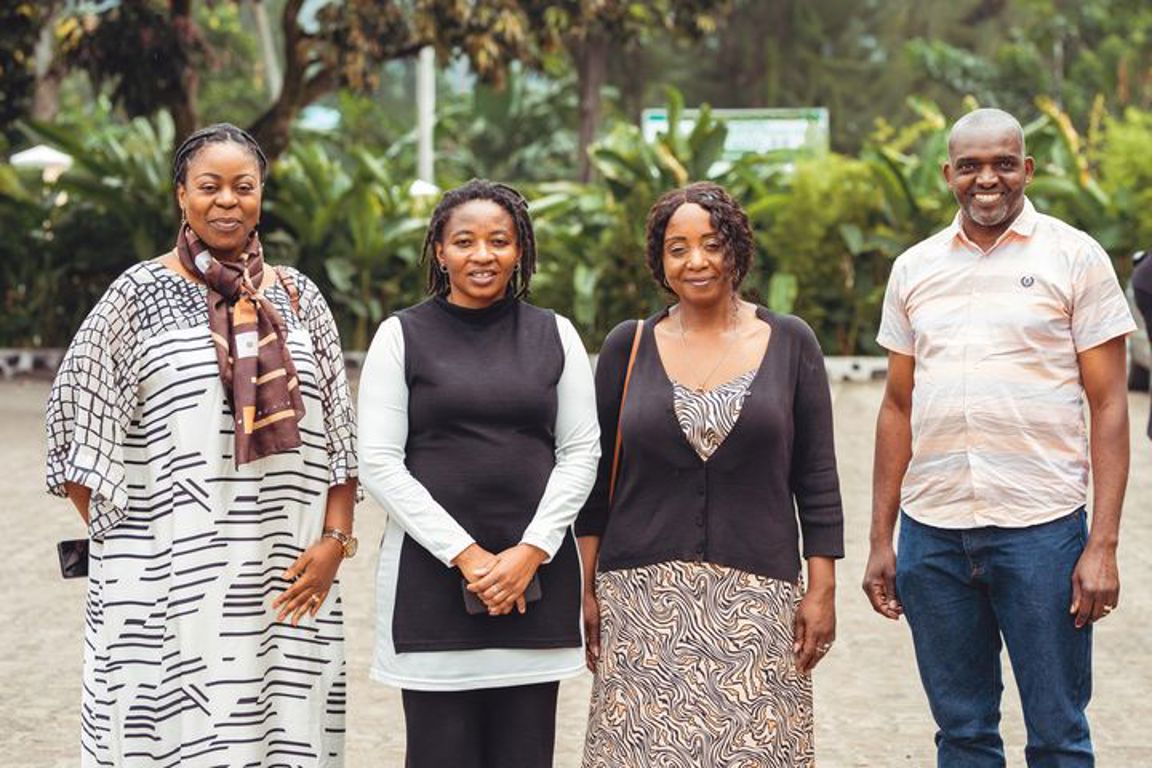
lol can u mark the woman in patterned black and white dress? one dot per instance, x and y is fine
(201, 424)
(700, 632)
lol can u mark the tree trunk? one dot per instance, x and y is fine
(49, 70)
(776, 52)
(591, 56)
(184, 107)
(267, 47)
(46, 92)
(185, 118)
(631, 75)
(273, 129)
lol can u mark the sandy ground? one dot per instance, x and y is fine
(870, 710)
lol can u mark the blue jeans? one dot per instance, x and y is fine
(964, 590)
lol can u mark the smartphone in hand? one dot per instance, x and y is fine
(73, 555)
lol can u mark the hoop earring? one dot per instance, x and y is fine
(443, 267)
(516, 269)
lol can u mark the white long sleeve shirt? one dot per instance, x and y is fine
(383, 410)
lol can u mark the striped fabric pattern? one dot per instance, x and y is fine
(706, 417)
(184, 662)
(696, 669)
(998, 430)
(249, 337)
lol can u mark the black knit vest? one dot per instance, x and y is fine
(481, 438)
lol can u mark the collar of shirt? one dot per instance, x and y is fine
(1024, 225)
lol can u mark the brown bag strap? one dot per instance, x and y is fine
(290, 287)
(620, 416)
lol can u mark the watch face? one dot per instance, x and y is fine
(351, 546)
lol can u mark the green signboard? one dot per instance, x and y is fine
(753, 130)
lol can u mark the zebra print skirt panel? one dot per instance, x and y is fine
(696, 669)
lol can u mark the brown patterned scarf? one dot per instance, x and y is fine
(250, 338)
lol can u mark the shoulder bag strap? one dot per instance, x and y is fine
(290, 287)
(620, 416)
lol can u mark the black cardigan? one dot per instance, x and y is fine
(740, 507)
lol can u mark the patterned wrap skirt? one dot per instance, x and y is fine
(696, 669)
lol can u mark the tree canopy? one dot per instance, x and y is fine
(545, 95)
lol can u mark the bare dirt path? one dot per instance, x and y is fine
(870, 710)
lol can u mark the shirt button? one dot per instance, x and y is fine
(700, 521)
(700, 491)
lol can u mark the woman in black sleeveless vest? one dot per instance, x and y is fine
(700, 631)
(479, 438)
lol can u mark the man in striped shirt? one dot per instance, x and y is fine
(999, 328)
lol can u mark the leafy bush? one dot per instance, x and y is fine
(31, 302)
(345, 223)
(119, 189)
(1126, 175)
(66, 241)
(827, 226)
(521, 132)
(591, 237)
(816, 229)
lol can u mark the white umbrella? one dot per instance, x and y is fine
(52, 161)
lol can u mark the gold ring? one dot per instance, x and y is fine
(315, 599)
(1109, 608)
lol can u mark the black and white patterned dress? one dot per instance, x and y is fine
(696, 664)
(184, 662)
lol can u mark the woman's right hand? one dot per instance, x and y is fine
(474, 562)
(502, 587)
(591, 630)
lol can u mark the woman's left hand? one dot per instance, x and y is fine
(311, 576)
(814, 628)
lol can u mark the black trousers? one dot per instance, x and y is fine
(512, 727)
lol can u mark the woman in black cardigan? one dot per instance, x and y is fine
(699, 629)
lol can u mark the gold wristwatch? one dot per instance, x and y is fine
(347, 540)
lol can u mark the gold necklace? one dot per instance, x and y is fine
(702, 386)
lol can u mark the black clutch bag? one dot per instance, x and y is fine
(73, 558)
(475, 606)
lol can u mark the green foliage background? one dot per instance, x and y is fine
(828, 225)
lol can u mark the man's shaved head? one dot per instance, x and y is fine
(985, 121)
(987, 171)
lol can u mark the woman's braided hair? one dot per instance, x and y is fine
(507, 198)
(218, 133)
(728, 219)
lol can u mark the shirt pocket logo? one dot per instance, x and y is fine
(1027, 281)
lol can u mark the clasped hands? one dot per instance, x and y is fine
(500, 579)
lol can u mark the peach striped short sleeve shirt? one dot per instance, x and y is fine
(998, 429)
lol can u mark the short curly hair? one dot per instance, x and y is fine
(728, 218)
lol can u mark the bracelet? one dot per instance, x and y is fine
(347, 541)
